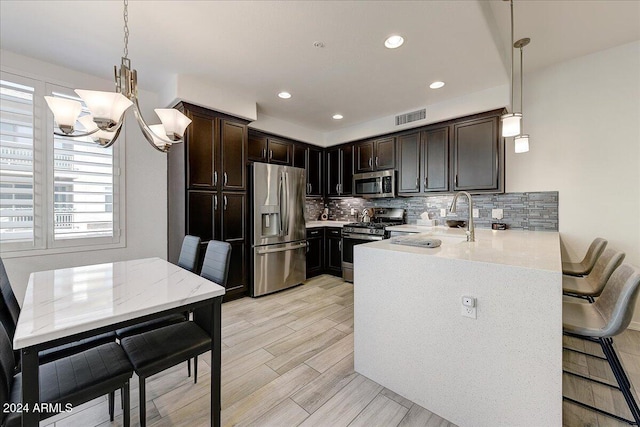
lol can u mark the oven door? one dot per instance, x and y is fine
(349, 240)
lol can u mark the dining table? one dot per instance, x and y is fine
(69, 304)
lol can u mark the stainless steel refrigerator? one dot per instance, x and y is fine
(278, 231)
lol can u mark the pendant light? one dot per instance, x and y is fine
(511, 121)
(521, 142)
(108, 108)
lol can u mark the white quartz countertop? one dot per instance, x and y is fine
(64, 302)
(316, 224)
(529, 249)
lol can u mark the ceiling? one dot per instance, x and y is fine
(259, 48)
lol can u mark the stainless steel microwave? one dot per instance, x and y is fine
(372, 185)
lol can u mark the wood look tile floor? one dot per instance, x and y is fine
(287, 360)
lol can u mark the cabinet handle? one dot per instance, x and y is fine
(455, 181)
(215, 178)
(224, 179)
(271, 154)
(310, 188)
(340, 245)
(376, 161)
(264, 153)
(225, 202)
(370, 161)
(215, 203)
(425, 182)
(417, 182)
(338, 188)
(307, 247)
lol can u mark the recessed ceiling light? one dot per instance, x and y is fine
(436, 85)
(337, 117)
(393, 41)
(284, 95)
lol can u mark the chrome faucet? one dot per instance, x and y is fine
(471, 231)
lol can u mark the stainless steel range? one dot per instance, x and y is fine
(367, 231)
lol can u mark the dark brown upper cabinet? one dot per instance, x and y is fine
(375, 155)
(267, 149)
(478, 154)
(339, 171)
(423, 161)
(299, 156)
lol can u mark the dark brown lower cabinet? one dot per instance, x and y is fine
(221, 216)
(315, 252)
(333, 251)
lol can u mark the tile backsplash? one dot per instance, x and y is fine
(529, 211)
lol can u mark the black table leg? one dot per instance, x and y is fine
(216, 361)
(30, 387)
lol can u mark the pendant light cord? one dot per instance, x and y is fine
(125, 15)
(511, 46)
(521, 92)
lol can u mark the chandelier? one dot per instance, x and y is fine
(107, 109)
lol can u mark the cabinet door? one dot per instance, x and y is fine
(233, 213)
(202, 214)
(435, 160)
(279, 152)
(333, 171)
(333, 251)
(201, 157)
(476, 150)
(314, 171)
(299, 156)
(233, 153)
(409, 163)
(346, 170)
(363, 157)
(257, 148)
(315, 251)
(385, 154)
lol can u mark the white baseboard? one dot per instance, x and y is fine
(635, 326)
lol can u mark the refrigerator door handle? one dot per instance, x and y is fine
(287, 195)
(281, 213)
(286, 248)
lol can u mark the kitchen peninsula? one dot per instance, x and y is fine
(503, 367)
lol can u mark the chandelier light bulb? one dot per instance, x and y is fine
(65, 112)
(157, 132)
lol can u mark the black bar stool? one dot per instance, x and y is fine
(608, 316)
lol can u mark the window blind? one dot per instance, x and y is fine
(82, 187)
(16, 162)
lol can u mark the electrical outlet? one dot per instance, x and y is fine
(469, 308)
(476, 213)
(497, 213)
(469, 312)
(443, 212)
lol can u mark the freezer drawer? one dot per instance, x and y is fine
(279, 266)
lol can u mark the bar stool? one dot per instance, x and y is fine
(608, 316)
(591, 286)
(585, 266)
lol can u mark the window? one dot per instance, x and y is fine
(56, 192)
(16, 163)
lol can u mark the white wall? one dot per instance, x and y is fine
(477, 102)
(287, 129)
(583, 116)
(146, 183)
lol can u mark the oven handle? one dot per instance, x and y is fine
(356, 236)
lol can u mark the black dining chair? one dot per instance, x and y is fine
(9, 312)
(70, 380)
(189, 255)
(154, 351)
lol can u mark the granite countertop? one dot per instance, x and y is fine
(529, 249)
(316, 224)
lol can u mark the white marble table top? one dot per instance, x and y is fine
(64, 302)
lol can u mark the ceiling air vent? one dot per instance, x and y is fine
(411, 117)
